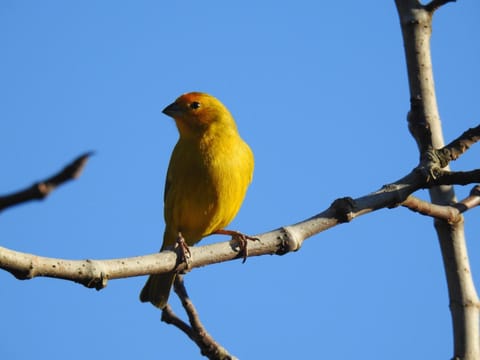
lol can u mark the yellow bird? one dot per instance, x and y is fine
(208, 175)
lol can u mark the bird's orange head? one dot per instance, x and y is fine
(196, 113)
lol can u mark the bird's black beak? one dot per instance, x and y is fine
(172, 110)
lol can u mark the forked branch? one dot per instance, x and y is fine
(425, 126)
(195, 329)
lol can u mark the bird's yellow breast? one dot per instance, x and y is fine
(206, 182)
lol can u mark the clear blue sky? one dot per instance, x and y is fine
(319, 91)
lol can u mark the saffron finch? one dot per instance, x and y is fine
(207, 178)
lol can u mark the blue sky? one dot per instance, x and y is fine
(319, 91)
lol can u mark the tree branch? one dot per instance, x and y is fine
(195, 331)
(42, 189)
(461, 144)
(457, 177)
(96, 273)
(434, 161)
(425, 126)
(435, 4)
(450, 213)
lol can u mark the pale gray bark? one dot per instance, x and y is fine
(416, 24)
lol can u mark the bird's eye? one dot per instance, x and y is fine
(194, 105)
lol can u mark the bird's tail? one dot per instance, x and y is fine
(157, 289)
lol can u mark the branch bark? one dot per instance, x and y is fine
(195, 329)
(432, 172)
(425, 126)
(450, 213)
(42, 189)
(96, 273)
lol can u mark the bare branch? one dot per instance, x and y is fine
(460, 145)
(450, 213)
(457, 177)
(474, 199)
(169, 317)
(195, 331)
(433, 161)
(435, 4)
(42, 189)
(425, 126)
(96, 273)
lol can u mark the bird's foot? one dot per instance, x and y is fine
(241, 238)
(183, 250)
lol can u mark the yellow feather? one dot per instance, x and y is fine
(208, 175)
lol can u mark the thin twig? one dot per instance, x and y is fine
(435, 4)
(169, 317)
(42, 189)
(450, 213)
(474, 198)
(460, 145)
(195, 331)
(457, 177)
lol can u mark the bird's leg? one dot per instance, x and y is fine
(185, 254)
(241, 238)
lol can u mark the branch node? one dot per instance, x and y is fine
(398, 196)
(97, 278)
(343, 209)
(24, 274)
(43, 189)
(431, 164)
(288, 241)
(468, 303)
(417, 124)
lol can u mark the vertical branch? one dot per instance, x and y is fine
(425, 126)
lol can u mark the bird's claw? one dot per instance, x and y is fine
(184, 250)
(243, 243)
(241, 239)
